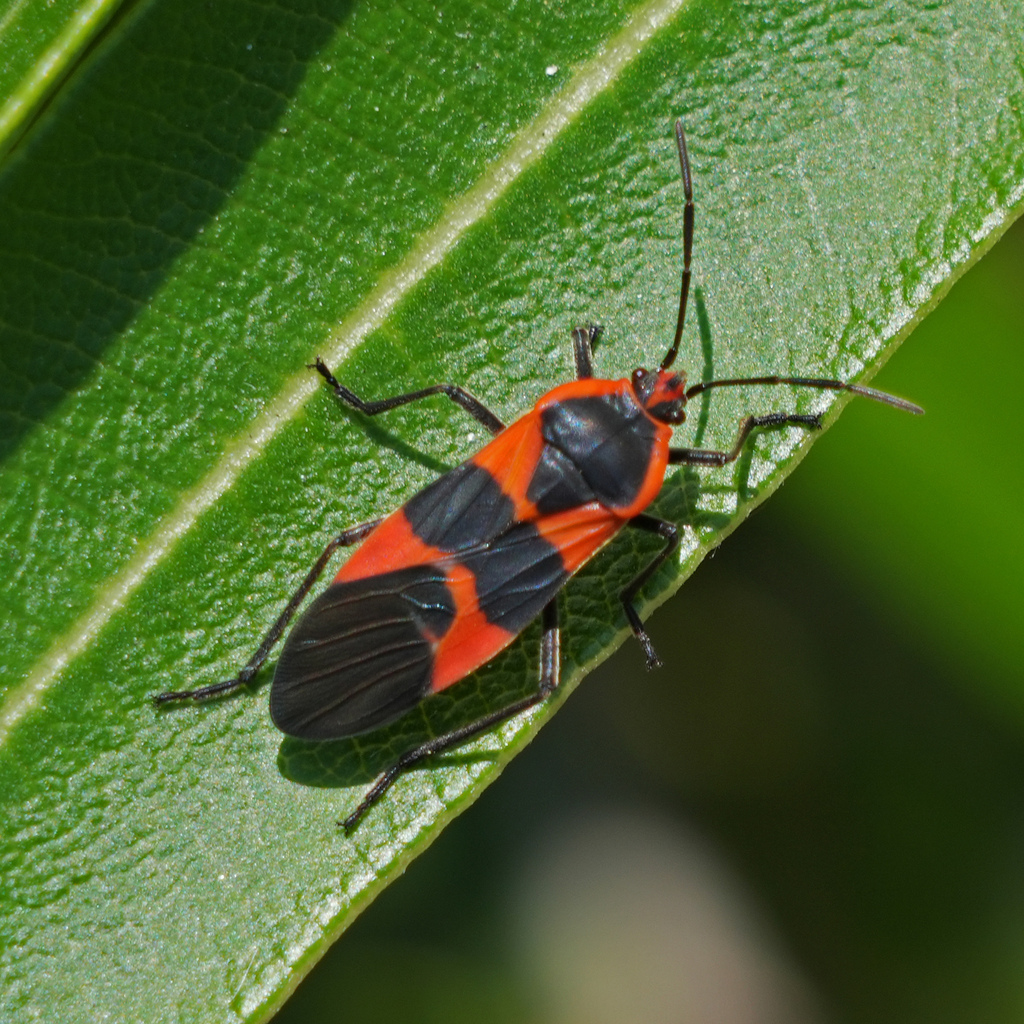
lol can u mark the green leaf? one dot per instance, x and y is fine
(39, 46)
(415, 193)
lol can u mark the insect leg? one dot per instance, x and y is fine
(550, 666)
(459, 396)
(670, 533)
(346, 538)
(708, 457)
(583, 339)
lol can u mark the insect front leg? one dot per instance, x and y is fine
(460, 396)
(710, 457)
(670, 533)
(353, 535)
(550, 676)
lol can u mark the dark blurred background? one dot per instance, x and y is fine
(815, 811)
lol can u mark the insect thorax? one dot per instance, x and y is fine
(596, 448)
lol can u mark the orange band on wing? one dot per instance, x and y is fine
(579, 533)
(511, 458)
(472, 640)
(392, 545)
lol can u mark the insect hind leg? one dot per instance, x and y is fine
(353, 535)
(550, 676)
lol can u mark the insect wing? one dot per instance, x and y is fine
(469, 507)
(361, 654)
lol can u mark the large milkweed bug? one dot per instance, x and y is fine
(440, 586)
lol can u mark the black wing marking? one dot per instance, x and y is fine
(517, 572)
(516, 575)
(361, 655)
(463, 509)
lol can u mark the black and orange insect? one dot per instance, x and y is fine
(440, 586)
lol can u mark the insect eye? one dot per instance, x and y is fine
(638, 375)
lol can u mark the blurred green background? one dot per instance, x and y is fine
(830, 825)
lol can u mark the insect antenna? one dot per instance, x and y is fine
(684, 288)
(822, 383)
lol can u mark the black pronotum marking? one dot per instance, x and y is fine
(361, 654)
(557, 485)
(597, 449)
